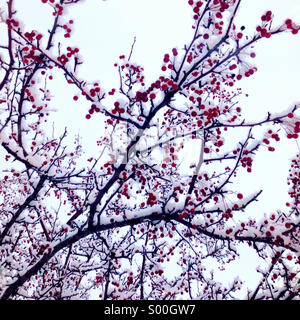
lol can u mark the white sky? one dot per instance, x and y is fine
(106, 29)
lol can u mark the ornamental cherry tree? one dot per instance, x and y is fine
(140, 217)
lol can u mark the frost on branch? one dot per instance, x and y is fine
(159, 199)
(2, 280)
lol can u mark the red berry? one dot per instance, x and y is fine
(174, 86)
(228, 231)
(288, 21)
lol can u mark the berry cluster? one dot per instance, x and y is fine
(164, 84)
(64, 58)
(30, 55)
(117, 108)
(292, 26)
(93, 109)
(67, 29)
(294, 180)
(152, 200)
(247, 162)
(33, 35)
(292, 127)
(132, 72)
(264, 30)
(12, 23)
(167, 63)
(267, 16)
(217, 5)
(58, 9)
